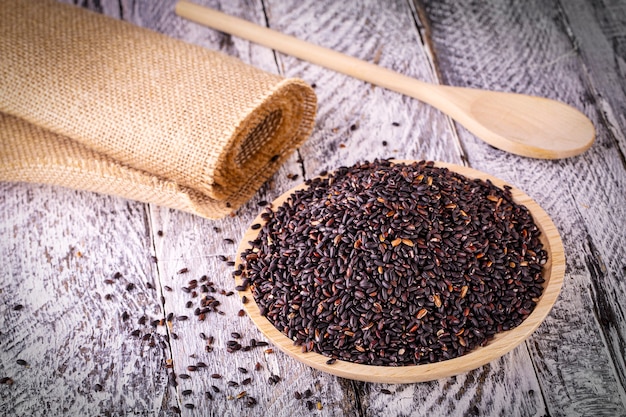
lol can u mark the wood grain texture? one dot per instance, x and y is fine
(177, 227)
(354, 118)
(598, 30)
(73, 338)
(71, 335)
(581, 194)
(193, 243)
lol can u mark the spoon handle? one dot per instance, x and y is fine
(315, 54)
(525, 125)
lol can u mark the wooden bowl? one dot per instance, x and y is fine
(501, 343)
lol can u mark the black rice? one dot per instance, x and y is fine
(392, 264)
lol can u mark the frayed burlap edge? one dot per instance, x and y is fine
(238, 176)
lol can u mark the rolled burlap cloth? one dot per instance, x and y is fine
(93, 103)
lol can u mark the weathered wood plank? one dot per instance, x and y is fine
(476, 393)
(581, 194)
(58, 248)
(193, 243)
(354, 118)
(198, 244)
(598, 29)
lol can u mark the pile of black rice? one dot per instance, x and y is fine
(386, 263)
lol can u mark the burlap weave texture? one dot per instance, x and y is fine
(93, 103)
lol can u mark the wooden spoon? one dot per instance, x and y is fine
(503, 342)
(521, 124)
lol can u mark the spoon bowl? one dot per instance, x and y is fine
(525, 125)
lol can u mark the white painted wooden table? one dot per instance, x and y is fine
(70, 258)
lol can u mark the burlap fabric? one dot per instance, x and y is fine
(93, 103)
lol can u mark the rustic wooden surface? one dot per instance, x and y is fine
(68, 257)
